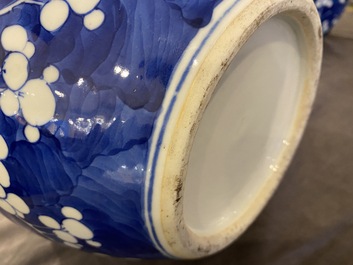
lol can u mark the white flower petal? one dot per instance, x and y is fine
(83, 7)
(9, 103)
(51, 74)
(7, 207)
(49, 222)
(17, 203)
(71, 212)
(37, 102)
(29, 50)
(4, 176)
(19, 214)
(14, 38)
(32, 134)
(2, 192)
(54, 15)
(94, 243)
(65, 236)
(4, 150)
(15, 70)
(94, 19)
(77, 229)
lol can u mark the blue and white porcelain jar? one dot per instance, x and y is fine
(151, 128)
(330, 11)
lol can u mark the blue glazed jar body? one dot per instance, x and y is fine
(92, 154)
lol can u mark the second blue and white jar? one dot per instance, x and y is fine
(330, 11)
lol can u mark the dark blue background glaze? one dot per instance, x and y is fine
(93, 154)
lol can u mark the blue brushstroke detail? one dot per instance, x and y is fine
(93, 155)
(196, 12)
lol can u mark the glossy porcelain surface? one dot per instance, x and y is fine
(81, 86)
(87, 90)
(330, 11)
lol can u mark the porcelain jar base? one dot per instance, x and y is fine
(235, 125)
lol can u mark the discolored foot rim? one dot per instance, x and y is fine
(232, 118)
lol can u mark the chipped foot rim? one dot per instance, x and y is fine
(234, 113)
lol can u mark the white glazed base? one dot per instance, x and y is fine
(208, 190)
(245, 128)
